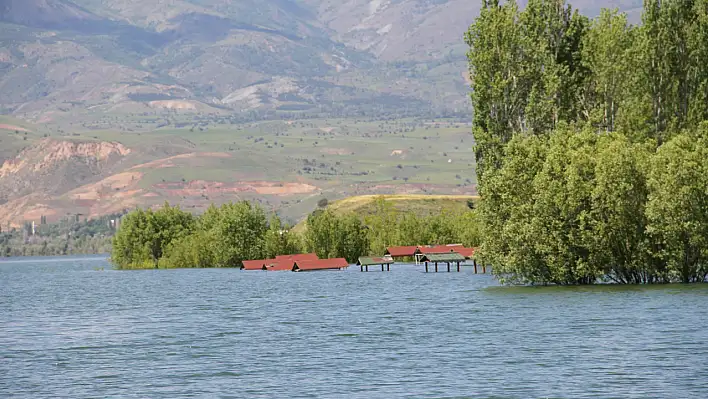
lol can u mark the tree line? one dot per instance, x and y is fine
(330, 234)
(64, 237)
(225, 236)
(591, 142)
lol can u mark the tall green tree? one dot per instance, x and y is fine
(697, 110)
(607, 54)
(674, 71)
(527, 72)
(500, 84)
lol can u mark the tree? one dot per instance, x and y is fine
(353, 238)
(567, 117)
(321, 232)
(470, 204)
(411, 230)
(130, 244)
(144, 236)
(526, 69)
(468, 229)
(506, 211)
(165, 226)
(192, 251)
(607, 53)
(499, 86)
(562, 205)
(279, 240)
(334, 236)
(674, 69)
(382, 226)
(617, 239)
(677, 209)
(237, 232)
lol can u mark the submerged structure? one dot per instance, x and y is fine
(453, 254)
(296, 263)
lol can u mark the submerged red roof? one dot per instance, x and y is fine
(401, 251)
(439, 249)
(281, 262)
(253, 264)
(281, 265)
(466, 252)
(321, 264)
(297, 257)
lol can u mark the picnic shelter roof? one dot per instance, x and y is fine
(443, 258)
(438, 249)
(321, 264)
(368, 261)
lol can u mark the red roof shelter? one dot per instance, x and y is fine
(281, 266)
(296, 263)
(297, 257)
(320, 264)
(400, 252)
(468, 253)
(254, 265)
(439, 249)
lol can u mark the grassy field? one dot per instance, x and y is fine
(342, 157)
(287, 166)
(15, 134)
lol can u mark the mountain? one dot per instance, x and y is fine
(116, 103)
(53, 14)
(351, 57)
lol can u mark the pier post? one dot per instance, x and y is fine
(448, 267)
(362, 267)
(426, 267)
(382, 267)
(388, 268)
(475, 266)
(436, 267)
(367, 268)
(458, 267)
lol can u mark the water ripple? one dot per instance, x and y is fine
(67, 330)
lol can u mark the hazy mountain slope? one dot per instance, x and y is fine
(178, 82)
(44, 13)
(84, 59)
(399, 30)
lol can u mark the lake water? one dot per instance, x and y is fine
(70, 329)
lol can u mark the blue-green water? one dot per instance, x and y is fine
(71, 330)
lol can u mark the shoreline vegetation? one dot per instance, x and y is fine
(68, 236)
(225, 236)
(592, 142)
